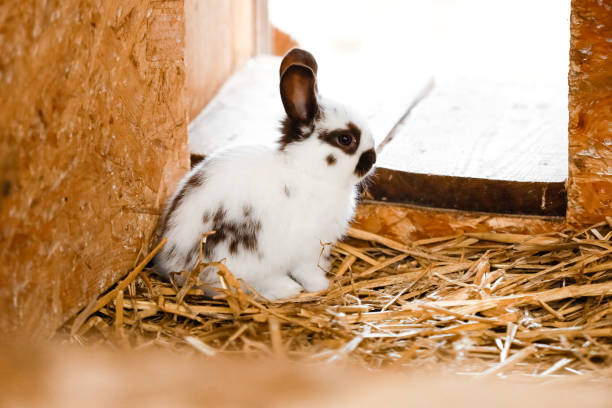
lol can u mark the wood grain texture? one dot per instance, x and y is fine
(497, 129)
(590, 106)
(468, 194)
(406, 223)
(92, 142)
(220, 37)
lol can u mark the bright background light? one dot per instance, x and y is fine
(499, 108)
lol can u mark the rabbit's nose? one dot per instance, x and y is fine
(365, 163)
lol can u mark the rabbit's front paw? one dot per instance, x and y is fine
(277, 287)
(310, 277)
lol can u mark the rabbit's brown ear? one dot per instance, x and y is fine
(298, 56)
(298, 85)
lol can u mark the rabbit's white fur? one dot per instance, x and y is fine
(277, 207)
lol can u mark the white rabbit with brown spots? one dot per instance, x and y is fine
(272, 209)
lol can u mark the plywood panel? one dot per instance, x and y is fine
(406, 223)
(92, 141)
(590, 105)
(242, 28)
(220, 37)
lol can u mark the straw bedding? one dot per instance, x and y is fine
(502, 304)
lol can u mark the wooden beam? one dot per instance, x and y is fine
(263, 29)
(407, 223)
(221, 35)
(468, 194)
(590, 106)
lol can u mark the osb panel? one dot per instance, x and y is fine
(407, 223)
(590, 107)
(92, 141)
(220, 37)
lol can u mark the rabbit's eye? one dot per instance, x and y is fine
(345, 140)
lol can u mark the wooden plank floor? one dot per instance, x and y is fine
(484, 128)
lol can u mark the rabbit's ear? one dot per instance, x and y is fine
(298, 57)
(298, 85)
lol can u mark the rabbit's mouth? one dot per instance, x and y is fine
(365, 163)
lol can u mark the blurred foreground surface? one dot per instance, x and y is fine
(71, 377)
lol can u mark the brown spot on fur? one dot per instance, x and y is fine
(193, 253)
(219, 216)
(291, 131)
(233, 248)
(333, 138)
(195, 180)
(205, 218)
(176, 202)
(196, 159)
(212, 241)
(246, 235)
(354, 129)
(287, 191)
(331, 159)
(243, 233)
(365, 163)
(247, 210)
(171, 253)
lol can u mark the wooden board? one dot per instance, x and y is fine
(220, 36)
(590, 105)
(468, 194)
(496, 129)
(92, 142)
(407, 223)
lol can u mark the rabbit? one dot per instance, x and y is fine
(274, 209)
